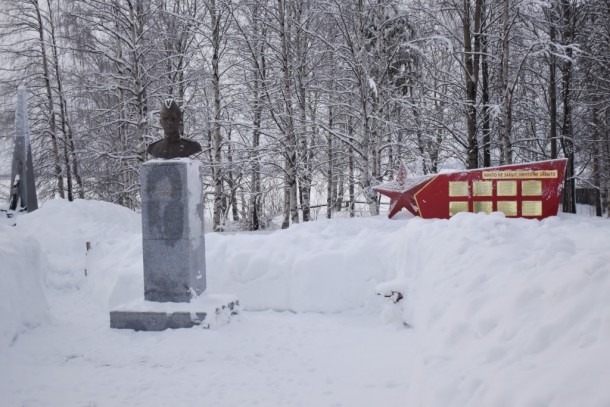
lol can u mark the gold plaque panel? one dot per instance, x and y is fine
(508, 207)
(531, 208)
(531, 188)
(482, 206)
(482, 188)
(458, 188)
(455, 207)
(507, 188)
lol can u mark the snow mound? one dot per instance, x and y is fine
(496, 304)
(509, 312)
(114, 234)
(22, 302)
(323, 266)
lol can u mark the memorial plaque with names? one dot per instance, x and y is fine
(507, 188)
(455, 207)
(458, 188)
(531, 190)
(508, 207)
(531, 208)
(482, 206)
(482, 188)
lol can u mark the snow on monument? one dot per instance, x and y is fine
(23, 187)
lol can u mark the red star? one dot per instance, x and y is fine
(402, 191)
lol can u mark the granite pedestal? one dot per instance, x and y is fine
(174, 251)
(205, 311)
(172, 230)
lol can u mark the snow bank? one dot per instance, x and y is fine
(325, 266)
(510, 312)
(505, 312)
(22, 302)
(45, 254)
(63, 229)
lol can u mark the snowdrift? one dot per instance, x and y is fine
(22, 301)
(324, 266)
(510, 312)
(45, 255)
(504, 312)
(507, 312)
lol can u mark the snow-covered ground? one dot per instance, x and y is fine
(497, 312)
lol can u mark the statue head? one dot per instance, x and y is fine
(172, 146)
(170, 118)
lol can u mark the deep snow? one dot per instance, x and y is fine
(502, 312)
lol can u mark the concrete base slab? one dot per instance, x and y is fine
(205, 311)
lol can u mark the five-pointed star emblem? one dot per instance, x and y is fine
(402, 190)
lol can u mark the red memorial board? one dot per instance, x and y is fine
(531, 190)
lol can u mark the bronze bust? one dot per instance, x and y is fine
(172, 146)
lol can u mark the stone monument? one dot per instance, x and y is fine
(23, 187)
(173, 240)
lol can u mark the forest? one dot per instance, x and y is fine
(302, 106)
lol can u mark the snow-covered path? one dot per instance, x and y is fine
(265, 358)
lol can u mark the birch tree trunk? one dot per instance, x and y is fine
(552, 61)
(330, 172)
(255, 174)
(217, 173)
(506, 121)
(350, 166)
(291, 212)
(69, 148)
(471, 78)
(486, 122)
(567, 139)
(51, 103)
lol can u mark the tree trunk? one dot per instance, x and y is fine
(567, 140)
(217, 172)
(73, 159)
(470, 76)
(352, 180)
(367, 172)
(291, 212)
(51, 105)
(305, 155)
(69, 154)
(486, 124)
(255, 174)
(552, 90)
(596, 160)
(506, 121)
(340, 190)
(231, 182)
(259, 75)
(605, 147)
(136, 15)
(329, 173)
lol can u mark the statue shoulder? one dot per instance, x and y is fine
(193, 145)
(154, 147)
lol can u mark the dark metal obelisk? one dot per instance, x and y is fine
(23, 187)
